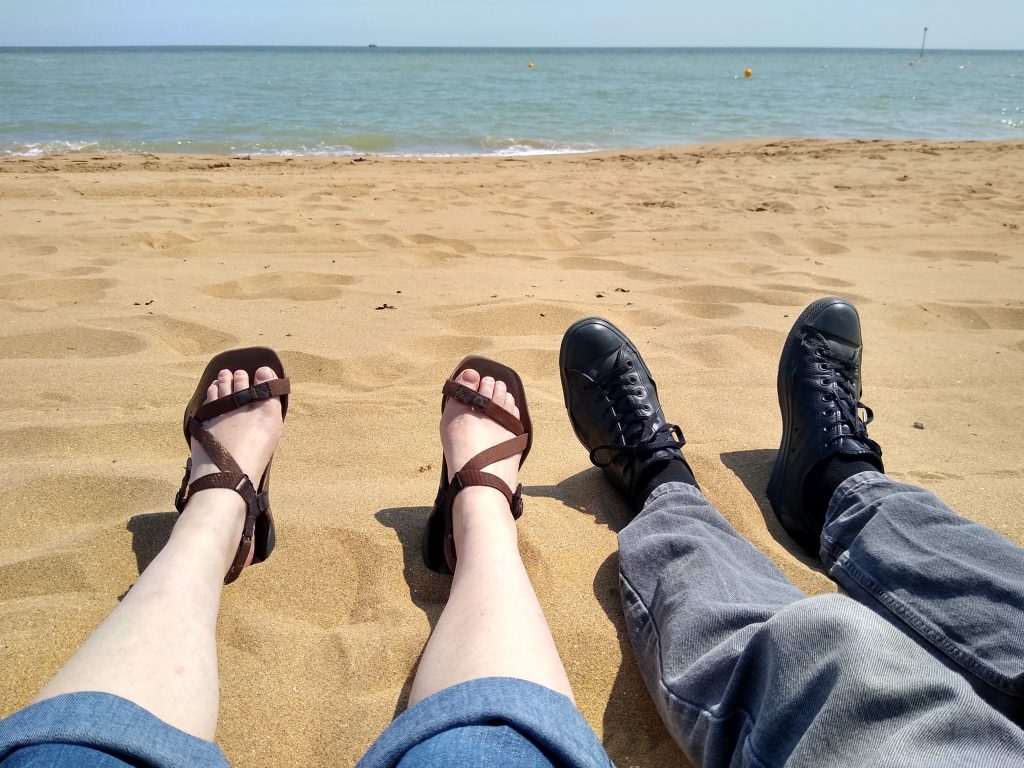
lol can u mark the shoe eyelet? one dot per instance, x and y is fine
(629, 363)
(639, 393)
(633, 379)
(824, 429)
(824, 382)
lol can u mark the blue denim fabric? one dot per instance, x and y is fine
(495, 721)
(99, 730)
(954, 586)
(747, 671)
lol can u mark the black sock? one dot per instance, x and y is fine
(823, 480)
(670, 471)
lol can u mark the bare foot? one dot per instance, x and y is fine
(465, 432)
(250, 433)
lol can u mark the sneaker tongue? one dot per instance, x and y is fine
(844, 351)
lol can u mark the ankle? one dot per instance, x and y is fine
(213, 520)
(481, 514)
(823, 480)
(673, 470)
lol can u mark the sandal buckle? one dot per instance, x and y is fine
(243, 397)
(472, 399)
(517, 503)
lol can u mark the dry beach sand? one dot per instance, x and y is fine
(122, 275)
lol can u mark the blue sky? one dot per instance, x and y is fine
(853, 23)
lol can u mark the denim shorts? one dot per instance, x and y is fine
(492, 721)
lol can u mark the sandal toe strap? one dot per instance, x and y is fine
(255, 393)
(485, 405)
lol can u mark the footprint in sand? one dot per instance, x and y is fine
(727, 294)
(80, 271)
(510, 318)
(166, 240)
(960, 255)
(593, 264)
(182, 336)
(360, 373)
(825, 281)
(709, 311)
(459, 246)
(274, 229)
(771, 206)
(295, 286)
(38, 250)
(69, 343)
(721, 347)
(55, 292)
(821, 247)
(747, 268)
(960, 316)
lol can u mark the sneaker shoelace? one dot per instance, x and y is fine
(615, 386)
(846, 405)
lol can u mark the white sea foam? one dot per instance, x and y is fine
(492, 145)
(17, 149)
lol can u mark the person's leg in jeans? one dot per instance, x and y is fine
(952, 585)
(744, 669)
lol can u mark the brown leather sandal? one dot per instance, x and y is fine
(258, 532)
(438, 539)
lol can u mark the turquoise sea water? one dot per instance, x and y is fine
(482, 101)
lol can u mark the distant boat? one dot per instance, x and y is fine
(372, 45)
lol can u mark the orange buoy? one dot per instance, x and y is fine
(530, 65)
(748, 72)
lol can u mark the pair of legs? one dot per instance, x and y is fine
(920, 662)
(154, 658)
(747, 670)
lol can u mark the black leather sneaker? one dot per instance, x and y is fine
(613, 405)
(819, 394)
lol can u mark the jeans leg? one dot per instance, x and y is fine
(746, 670)
(954, 586)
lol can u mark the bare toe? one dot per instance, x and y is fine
(500, 390)
(510, 405)
(486, 387)
(263, 374)
(240, 381)
(224, 381)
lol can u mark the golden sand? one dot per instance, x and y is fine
(122, 275)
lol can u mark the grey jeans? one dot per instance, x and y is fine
(920, 663)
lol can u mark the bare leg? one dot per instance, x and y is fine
(493, 625)
(158, 647)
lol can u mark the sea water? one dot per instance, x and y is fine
(462, 101)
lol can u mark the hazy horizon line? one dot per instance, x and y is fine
(510, 47)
